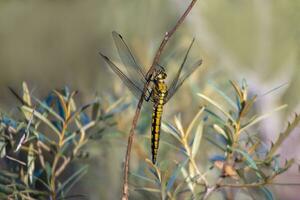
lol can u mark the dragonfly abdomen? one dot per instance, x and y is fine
(155, 130)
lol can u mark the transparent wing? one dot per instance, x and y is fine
(135, 73)
(182, 79)
(176, 78)
(137, 90)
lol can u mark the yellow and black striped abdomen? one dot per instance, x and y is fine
(155, 129)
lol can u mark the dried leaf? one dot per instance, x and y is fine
(219, 130)
(26, 94)
(197, 139)
(219, 107)
(178, 123)
(188, 179)
(225, 96)
(169, 128)
(192, 123)
(237, 89)
(42, 118)
(65, 112)
(260, 118)
(30, 162)
(248, 106)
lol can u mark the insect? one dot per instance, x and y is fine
(158, 92)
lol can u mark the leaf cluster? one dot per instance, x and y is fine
(42, 140)
(244, 161)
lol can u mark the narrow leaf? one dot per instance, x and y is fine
(197, 139)
(175, 174)
(30, 162)
(49, 109)
(225, 96)
(262, 117)
(178, 124)
(217, 106)
(191, 125)
(282, 136)
(42, 118)
(268, 194)
(148, 189)
(169, 128)
(26, 94)
(64, 111)
(187, 179)
(68, 184)
(237, 89)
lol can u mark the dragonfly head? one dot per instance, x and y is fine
(160, 74)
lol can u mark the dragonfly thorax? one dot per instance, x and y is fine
(161, 86)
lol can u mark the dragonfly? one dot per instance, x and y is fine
(159, 93)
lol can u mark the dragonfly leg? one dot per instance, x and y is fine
(148, 94)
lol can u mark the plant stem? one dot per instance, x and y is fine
(55, 162)
(156, 59)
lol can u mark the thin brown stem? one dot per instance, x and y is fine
(125, 193)
(156, 59)
(167, 37)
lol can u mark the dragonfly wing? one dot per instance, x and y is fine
(135, 89)
(182, 79)
(135, 72)
(176, 78)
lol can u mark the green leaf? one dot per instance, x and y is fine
(287, 165)
(49, 109)
(154, 170)
(2, 148)
(216, 117)
(282, 136)
(250, 161)
(80, 110)
(175, 174)
(5, 189)
(225, 96)
(268, 194)
(187, 179)
(214, 142)
(70, 182)
(96, 109)
(142, 177)
(113, 108)
(48, 170)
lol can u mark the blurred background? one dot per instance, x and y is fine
(50, 44)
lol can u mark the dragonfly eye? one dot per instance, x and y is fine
(161, 75)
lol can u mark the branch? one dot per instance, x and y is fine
(156, 59)
(167, 37)
(219, 185)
